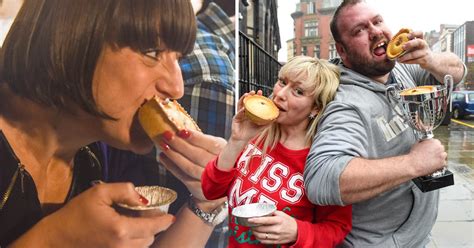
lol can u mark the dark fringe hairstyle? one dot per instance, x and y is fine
(50, 53)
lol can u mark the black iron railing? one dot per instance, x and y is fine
(258, 70)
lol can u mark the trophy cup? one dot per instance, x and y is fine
(423, 108)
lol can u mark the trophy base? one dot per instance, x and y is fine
(429, 183)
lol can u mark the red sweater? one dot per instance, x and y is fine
(278, 179)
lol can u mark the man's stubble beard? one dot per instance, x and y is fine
(366, 66)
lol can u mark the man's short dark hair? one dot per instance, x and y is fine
(50, 53)
(333, 25)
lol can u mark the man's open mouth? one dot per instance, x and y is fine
(380, 48)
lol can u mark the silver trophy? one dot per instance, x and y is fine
(423, 108)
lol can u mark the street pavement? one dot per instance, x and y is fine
(454, 227)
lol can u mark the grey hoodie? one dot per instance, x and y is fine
(360, 122)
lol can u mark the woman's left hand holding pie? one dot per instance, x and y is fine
(187, 154)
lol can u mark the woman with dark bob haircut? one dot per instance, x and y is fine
(74, 72)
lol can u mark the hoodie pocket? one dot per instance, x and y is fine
(414, 232)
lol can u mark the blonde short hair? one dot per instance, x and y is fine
(318, 77)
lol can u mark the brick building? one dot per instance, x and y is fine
(311, 29)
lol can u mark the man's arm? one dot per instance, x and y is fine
(444, 63)
(337, 172)
(340, 138)
(363, 179)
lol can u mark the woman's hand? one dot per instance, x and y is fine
(279, 228)
(89, 220)
(187, 155)
(243, 130)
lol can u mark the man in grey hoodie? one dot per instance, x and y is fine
(364, 154)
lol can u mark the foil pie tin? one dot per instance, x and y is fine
(159, 199)
(244, 212)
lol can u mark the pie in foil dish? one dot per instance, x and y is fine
(395, 46)
(260, 110)
(159, 199)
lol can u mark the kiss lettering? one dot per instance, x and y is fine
(273, 178)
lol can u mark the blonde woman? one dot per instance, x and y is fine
(266, 164)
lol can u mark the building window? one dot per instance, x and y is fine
(311, 28)
(332, 51)
(304, 50)
(317, 51)
(331, 4)
(459, 43)
(311, 8)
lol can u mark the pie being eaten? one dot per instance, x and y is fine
(260, 110)
(158, 115)
(395, 46)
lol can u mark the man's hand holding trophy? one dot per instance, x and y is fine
(423, 108)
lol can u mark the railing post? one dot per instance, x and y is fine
(258, 70)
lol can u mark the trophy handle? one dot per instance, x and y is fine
(445, 95)
(393, 97)
(449, 84)
(442, 177)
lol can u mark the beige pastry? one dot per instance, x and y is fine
(260, 110)
(418, 90)
(159, 115)
(395, 46)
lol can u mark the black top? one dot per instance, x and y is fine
(20, 208)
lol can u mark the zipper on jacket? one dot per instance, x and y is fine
(22, 177)
(93, 158)
(20, 170)
(9, 190)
